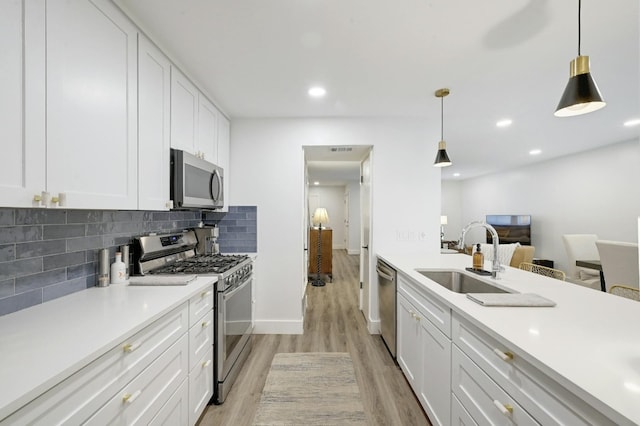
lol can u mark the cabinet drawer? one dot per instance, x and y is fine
(485, 401)
(175, 411)
(200, 339)
(200, 386)
(546, 400)
(200, 304)
(140, 400)
(434, 311)
(460, 416)
(79, 396)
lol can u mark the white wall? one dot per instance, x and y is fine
(591, 192)
(452, 208)
(267, 171)
(353, 245)
(332, 199)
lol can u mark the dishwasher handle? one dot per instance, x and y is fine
(387, 275)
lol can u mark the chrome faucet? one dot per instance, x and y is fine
(495, 268)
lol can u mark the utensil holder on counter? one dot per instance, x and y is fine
(103, 268)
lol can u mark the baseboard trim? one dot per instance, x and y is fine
(373, 327)
(350, 251)
(278, 327)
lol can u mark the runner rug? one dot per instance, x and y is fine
(311, 389)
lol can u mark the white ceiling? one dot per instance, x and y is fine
(501, 59)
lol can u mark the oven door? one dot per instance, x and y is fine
(233, 329)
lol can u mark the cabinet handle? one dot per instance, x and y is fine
(505, 356)
(128, 398)
(206, 324)
(505, 409)
(205, 293)
(206, 363)
(130, 347)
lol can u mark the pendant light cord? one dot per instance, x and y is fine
(442, 118)
(579, 31)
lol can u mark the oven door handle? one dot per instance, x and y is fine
(233, 290)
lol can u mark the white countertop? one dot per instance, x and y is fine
(589, 342)
(42, 345)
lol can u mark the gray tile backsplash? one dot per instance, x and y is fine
(49, 253)
(238, 229)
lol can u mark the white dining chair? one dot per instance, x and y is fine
(619, 262)
(582, 247)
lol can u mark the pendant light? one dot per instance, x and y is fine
(581, 95)
(442, 159)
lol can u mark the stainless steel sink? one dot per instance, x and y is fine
(460, 282)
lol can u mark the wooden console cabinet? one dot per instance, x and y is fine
(326, 255)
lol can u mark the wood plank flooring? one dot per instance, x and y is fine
(333, 323)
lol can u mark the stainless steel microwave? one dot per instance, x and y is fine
(195, 183)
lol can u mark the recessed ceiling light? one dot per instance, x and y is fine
(317, 92)
(316, 183)
(535, 152)
(504, 123)
(632, 122)
(456, 174)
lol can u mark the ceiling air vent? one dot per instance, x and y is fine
(341, 149)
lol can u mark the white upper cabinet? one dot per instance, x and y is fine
(154, 89)
(22, 174)
(184, 112)
(207, 143)
(91, 104)
(223, 155)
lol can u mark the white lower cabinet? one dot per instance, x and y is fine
(175, 412)
(485, 401)
(424, 351)
(75, 399)
(488, 376)
(143, 397)
(161, 375)
(200, 386)
(460, 416)
(200, 353)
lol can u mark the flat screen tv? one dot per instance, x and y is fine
(510, 228)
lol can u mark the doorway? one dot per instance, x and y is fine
(334, 180)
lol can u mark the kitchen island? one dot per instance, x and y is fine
(86, 348)
(584, 351)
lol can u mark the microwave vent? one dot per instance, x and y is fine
(341, 149)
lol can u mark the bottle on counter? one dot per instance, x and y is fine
(478, 258)
(118, 270)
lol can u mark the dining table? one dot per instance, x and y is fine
(593, 264)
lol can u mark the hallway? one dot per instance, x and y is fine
(333, 323)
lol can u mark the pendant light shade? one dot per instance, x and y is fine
(581, 95)
(442, 159)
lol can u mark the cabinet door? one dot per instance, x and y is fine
(207, 129)
(154, 107)
(408, 343)
(184, 112)
(91, 104)
(224, 159)
(200, 386)
(435, 393)
(22, 174)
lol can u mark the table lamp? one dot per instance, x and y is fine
(320, 216)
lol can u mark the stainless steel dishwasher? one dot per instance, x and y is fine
(387, 279)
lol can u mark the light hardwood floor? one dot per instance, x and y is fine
(333, 323)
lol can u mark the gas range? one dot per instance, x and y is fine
(175, 253)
